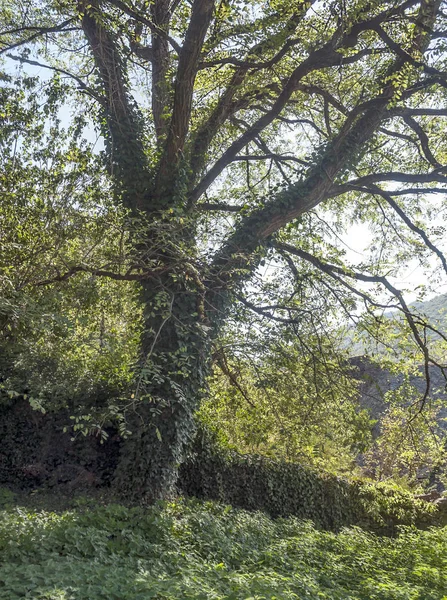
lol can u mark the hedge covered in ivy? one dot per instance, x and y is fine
(283, 489)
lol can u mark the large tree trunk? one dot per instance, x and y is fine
(169, 382)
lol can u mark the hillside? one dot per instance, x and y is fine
(434, 310)
(207, 551)
(377, 381)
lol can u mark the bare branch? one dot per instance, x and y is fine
(420, 232)
(327, 96)
(218, 206)
(128, 276)
(335, 270)
(266, 311)
(221, 360)
(246, 64)
(39, 31)
(82, 85)
(270, 156)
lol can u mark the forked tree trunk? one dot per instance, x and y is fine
(174, 365)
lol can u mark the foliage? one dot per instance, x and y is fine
(38, 456)
(59, 345)
(206, 551)
(408, 445)
(42, 449)
(7, 498)
(295, 397)
(274, 396)
(282, 489)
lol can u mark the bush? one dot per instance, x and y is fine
(36, 452)
(283, 489)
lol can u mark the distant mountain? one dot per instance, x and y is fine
(434, 310)
(377, 381)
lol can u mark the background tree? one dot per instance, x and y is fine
(287, 397)
(225, 127)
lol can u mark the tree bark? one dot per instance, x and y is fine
(171, 375)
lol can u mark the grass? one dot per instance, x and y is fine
(206, 551)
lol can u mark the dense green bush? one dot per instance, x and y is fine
(286, 397)
(36, 451)
(206, 551)
(282, 489)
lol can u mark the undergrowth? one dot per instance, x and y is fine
(205, 551)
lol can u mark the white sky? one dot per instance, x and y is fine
(359, 237)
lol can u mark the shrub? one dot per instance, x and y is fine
(283, 489)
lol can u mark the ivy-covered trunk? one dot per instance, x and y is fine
(169, 382)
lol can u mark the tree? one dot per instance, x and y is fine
(287, 397)
(212, 183)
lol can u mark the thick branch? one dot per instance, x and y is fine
(324, 57)
(424, 190)
(418, 112)
(327, 96)
(160, 66)
(124, 122)
(397, 176)
(144, 21)
(423, 138)
(202, 11)
(236, 258)
(306, 194)
(225, 106)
